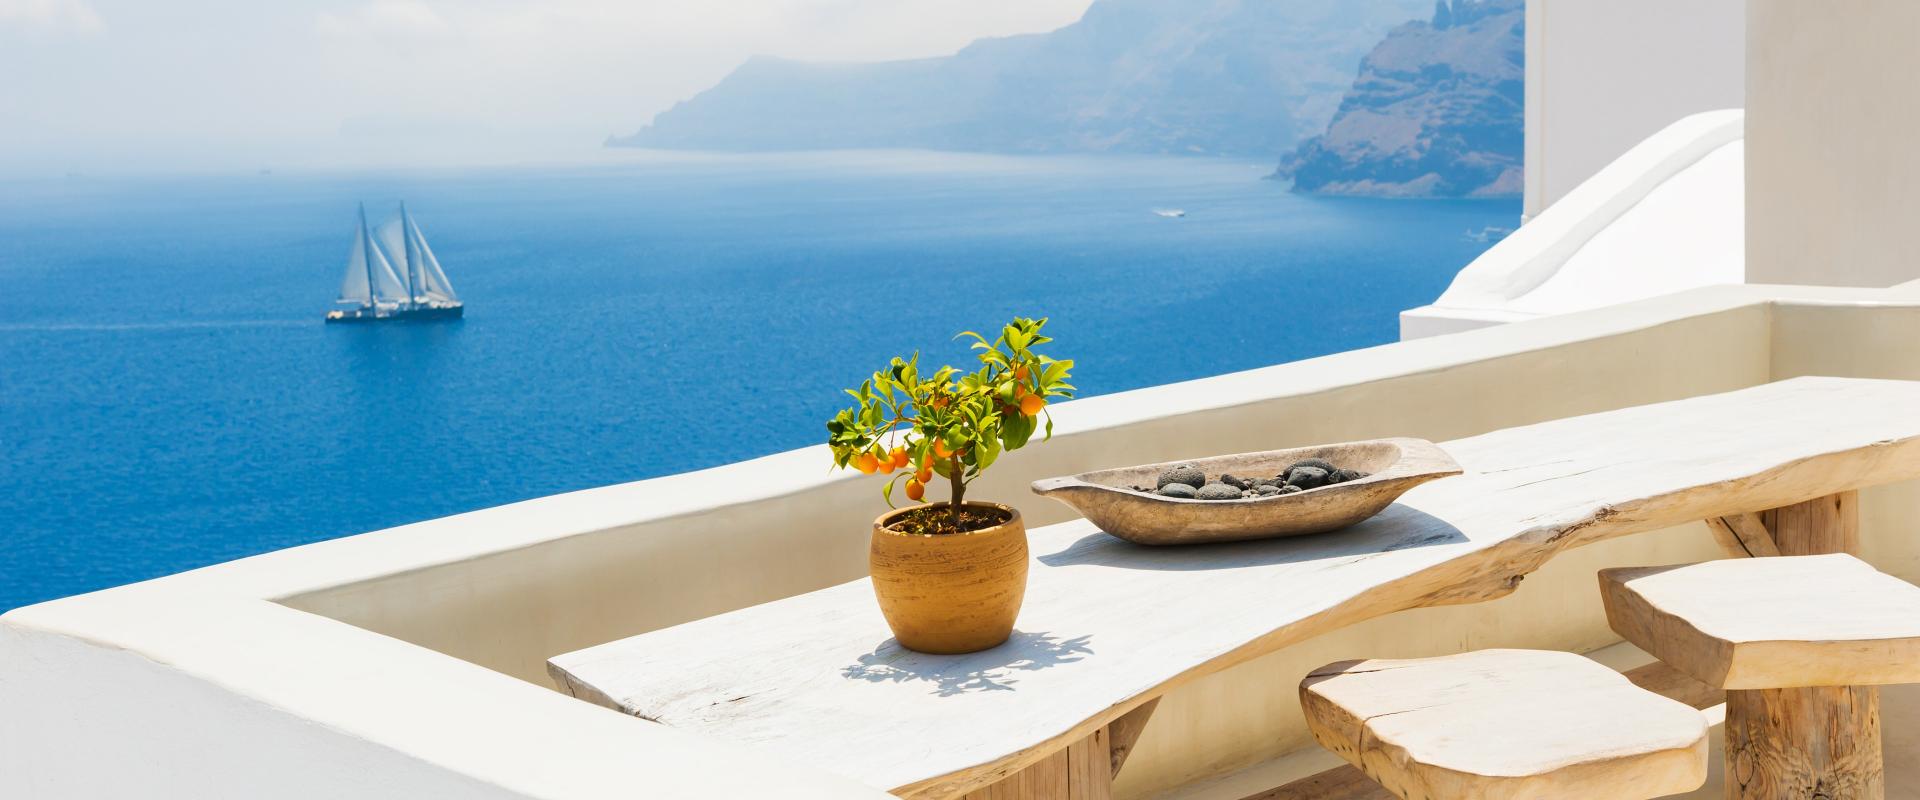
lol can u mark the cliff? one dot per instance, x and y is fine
(1436, 111)
(1232, 77)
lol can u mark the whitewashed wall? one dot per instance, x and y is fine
(1604, 74)
(1832, 162)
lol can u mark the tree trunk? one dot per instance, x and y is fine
(959, 489)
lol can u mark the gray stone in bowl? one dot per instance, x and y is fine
(1397, 465)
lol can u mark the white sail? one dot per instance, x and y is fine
(433, 282)
(353, 289)
(413, 259)
(369, 283)
(391, 238)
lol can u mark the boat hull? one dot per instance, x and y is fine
(413, 314)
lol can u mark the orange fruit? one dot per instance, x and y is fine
(1019, 391)
(1020, 372)
(925, 474)
(940, 449)
(899, 456)
(915, 489)
(1031, 404)
(865, 462)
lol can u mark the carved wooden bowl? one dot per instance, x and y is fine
(1396, 465)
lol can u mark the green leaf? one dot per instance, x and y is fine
(1055, 371)
(989, 450)
(1016, 430)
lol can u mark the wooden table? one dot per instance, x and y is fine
(1109, 626)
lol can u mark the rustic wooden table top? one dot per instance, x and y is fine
(1771, 623)
(1109, 625)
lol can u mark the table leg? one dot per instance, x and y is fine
(1821, 742)
(1083, 771)
(1800, 743)
(1080, 772)
(1819, 526)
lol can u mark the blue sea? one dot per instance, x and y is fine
(169, 397)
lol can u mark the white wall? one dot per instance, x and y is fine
(1604, 74)
(1833, 168)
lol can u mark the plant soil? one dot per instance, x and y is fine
(936, 519)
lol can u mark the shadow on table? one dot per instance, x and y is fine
(1399, 527)
(986, 671)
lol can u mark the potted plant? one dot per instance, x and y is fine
(950, 576)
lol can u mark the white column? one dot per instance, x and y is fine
(1833, 142)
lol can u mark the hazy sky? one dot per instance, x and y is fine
(101, 85)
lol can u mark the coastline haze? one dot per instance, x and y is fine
(123, 86)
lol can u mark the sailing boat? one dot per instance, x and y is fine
(378, 293)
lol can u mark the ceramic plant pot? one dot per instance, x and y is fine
(953, 593)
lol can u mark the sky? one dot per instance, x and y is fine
(93, 86)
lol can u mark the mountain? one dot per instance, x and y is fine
(1229, 77)
(1435, 111)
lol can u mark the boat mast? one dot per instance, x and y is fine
(366, 254)
(406, 243)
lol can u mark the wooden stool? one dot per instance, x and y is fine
(1799, 643)
(1501, 724)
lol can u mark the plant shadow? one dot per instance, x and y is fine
(992, 670)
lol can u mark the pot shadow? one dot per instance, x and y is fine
(990, 670)
(1399, 527)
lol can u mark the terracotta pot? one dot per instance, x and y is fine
(955, 593)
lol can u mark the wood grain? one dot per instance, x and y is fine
(1122, 733)
(1813, 742)
(1771, 623)
(1743, 536)
(1828, 524)
(1347, 782)
(1505, 724)
(1109, 625)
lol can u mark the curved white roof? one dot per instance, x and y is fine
(1666, 216)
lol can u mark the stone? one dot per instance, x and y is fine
(1184, 474)
(1311, 462)
(1266, 490)
(1307, 477)
(1344, 475)
(1290, 489)
(1177, 490)
(1218, 491)
(1236, 481)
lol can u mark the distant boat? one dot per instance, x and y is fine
(1487, 233)
(376, 293)
(1171, 213)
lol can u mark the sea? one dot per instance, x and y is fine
(169, 397)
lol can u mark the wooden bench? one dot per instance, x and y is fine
(1505, 724)
(1109, 627)
(1798, 643)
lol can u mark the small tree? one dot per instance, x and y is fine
(951, 423)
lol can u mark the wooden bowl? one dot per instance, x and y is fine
(1396, 465)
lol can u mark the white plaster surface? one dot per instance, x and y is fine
(1602, 75)
(1665, 217)
(1833, 166)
